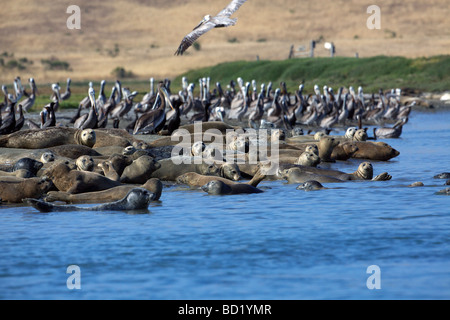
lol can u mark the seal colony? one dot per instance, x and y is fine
(206, 149)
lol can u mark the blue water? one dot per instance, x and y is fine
(281, 244)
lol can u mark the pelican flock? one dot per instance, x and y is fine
(222, 19)
(161, 112)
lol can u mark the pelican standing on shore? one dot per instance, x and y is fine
(222, 19)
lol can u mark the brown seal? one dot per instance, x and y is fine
(65, 178)
(216, 187)
(16, 189)
(108, 171)
(344, 151)
(374, 151)
(326, 146)
(173, 167)
(140, 170)
(48, 137)
(153, 185)
(73, 151)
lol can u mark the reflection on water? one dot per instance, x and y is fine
(281, 244)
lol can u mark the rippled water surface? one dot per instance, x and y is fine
(281, 244)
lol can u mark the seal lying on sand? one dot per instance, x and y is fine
(65, 178)
(136, 199)
(16, 189)
(170, 170)
(49, 137)
(153, 185)
(140, 170)
(85, 163)
(216, 187)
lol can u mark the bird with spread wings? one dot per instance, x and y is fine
(222, 19)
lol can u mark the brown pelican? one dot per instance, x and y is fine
(28, 103)
(66, 95)
(222, 19)
(8, 123)
(50, 111)
(154, 120)
(88, 120)
(101, 100)
(390, 133)
(55, 89)
(21, 120)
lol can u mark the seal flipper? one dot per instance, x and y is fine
(43, 206)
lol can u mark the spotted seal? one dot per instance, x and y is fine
(48, 137)
(443, 175)
(85, 163)
(308, 159)
(216, 187)
(153, 185)
(66, 178)
(136, 199)
(311, 185)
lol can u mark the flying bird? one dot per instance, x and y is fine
(222, 19)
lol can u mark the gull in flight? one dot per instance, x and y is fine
(222, 19)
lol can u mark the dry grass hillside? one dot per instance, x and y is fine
(142, 35)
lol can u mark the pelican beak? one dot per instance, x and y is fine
(166, 96)
(201, 22)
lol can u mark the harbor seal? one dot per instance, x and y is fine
(48, 137)
(326, 146)
(28, 164)
(140, 170)
(308, 159)
(85, 163)
(175, 166)
(74, 151)
(443, 175)
(216, 187)
(153, 185)
(302, 174)
(120, 162)
(108, 171)
(374, 151)
(360, 135)
(19, 173)
(15, 190)
(311, 185)
(66, 178)
(47, 157)
(136, 199)
(445, 191)
(344, 151)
